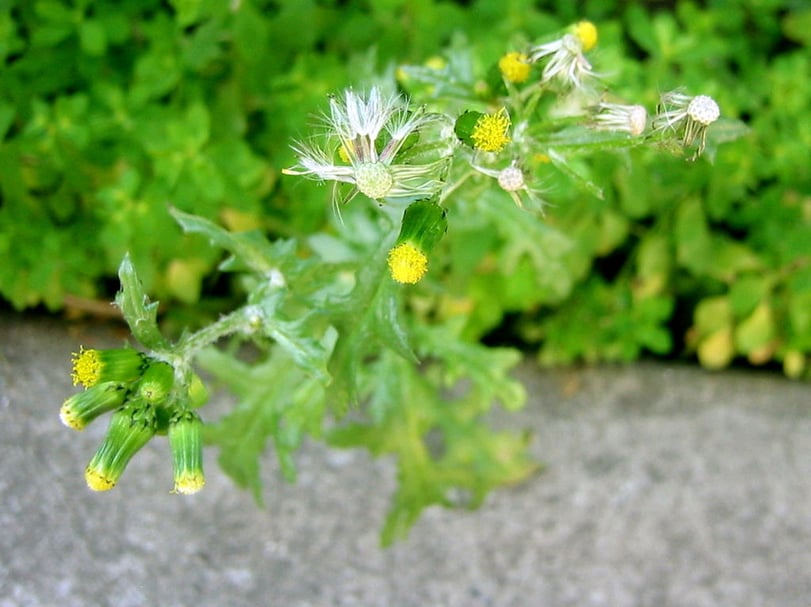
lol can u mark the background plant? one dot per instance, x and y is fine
(110, 110)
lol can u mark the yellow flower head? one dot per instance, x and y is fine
(91, 367)
(86, 367)
(586, 33)
(97, 480)
(131, 427)
(407, 263)
(490, 134)
(186, 442)
(83, 407)
(515, 67)
(189, 483)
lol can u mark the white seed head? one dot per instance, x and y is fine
(703, 110)
(511, 179)
(373, 179)
(637, 119)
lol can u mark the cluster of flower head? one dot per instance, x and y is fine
(139, 391)
(371, 139)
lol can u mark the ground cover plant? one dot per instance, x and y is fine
(386, 195)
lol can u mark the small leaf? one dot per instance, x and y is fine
(757, 330)
(278, 401)
(717, 349)
(564, 165)
(138, 311)
(249, 248)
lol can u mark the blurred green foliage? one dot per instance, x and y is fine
(111, 112)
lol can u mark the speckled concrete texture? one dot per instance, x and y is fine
(664, 486)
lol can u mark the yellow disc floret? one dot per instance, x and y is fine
(97, 480)
(490, 134)
(436, 63)
(586, 33)
(189, 483)
(86, 367)
(407, 263)
(514, 67)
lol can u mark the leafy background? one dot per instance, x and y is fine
(112, 111)
(121, 120)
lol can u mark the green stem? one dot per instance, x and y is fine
(237, 321)
(453, 187)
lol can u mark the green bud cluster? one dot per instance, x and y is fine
(145, 399)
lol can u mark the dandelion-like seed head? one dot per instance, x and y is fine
(687, 118)
(515, 67)
(491, 132)
(566, 59)
(371, 131)
(407, 263)
(617, 117)
(703, 109)
(373, 179)
(511, 179)
(637, 120)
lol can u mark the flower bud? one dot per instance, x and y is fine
(131, 427)
(198, 393)
(586, 34)
(424, 225)
(186, 443)
(82, 408)
(484, 132)
(156, 382)
(91, 367)
(514, 67)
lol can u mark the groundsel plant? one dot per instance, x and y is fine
(360, 342)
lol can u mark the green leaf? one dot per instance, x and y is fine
(445, 454)
(387, 320)
(138, 311)
(93, 37)
(278, 401)
(565, 166)
(756, 330)
(250, 249)
(487, 368)
(292, 336)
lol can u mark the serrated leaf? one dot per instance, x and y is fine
(138, 311)
(445, 454)
(248, 248)
(387, 321)
(294, 337)
(564, 166)
(278, 401)
(487, 368)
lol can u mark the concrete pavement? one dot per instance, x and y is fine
(665, 486)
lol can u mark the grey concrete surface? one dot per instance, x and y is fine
(665, 485)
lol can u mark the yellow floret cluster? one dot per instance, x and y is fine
(407, 263)
(491, 132)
